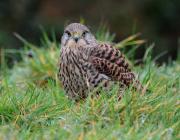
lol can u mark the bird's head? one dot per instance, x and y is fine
(76, 34)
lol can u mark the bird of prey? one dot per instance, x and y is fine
(86, 64)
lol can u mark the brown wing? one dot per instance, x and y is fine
(111, 62)
(112, 70)
(113, 55)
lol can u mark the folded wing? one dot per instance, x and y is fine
(111, 62)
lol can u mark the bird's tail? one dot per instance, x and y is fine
(139, 87)
(130, 79)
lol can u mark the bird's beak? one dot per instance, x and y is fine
(76, 36)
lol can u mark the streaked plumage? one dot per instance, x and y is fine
(85, 64)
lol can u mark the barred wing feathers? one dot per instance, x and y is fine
(111, 62)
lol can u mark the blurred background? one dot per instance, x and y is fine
(157, 20)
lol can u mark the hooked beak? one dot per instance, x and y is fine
(76, 37)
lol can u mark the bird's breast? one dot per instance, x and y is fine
(71, 65)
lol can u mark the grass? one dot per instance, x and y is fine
(34, 106)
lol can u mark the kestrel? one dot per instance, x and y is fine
(86, 64)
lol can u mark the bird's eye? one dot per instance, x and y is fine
(84, 33)
(68, 33)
